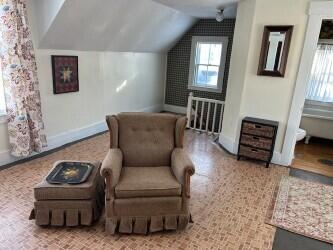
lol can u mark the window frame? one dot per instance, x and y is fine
(3, 113)
(208, 39)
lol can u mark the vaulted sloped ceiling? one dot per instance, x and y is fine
(119, 25)
(109, 25)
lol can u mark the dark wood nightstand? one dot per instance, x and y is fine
(257, 139)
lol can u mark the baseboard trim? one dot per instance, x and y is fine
(228, 144)
(232, 147)
(33, 156)
(154, 108)
(6, 158)
(75, 134)
(65, 138)
(174, 109)
(277, 159)
(56, 141)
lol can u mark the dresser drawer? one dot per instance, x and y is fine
(258, 129)
(254, 153)
(255, 141)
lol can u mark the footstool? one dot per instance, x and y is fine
(67, 204)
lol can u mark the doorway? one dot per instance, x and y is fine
(318, 12)
(314, 146)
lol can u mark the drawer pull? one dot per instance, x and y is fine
(254, 153)
(258, 130)
(256, 138)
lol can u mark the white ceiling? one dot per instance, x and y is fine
(203, 8)
(118, 25)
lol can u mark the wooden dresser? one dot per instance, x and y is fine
(257, 139)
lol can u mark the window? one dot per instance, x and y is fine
(2, 97)
(208, 54)
(320, 89)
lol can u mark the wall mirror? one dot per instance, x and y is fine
(274, 50)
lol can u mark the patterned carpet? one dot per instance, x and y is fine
(303, 207)
(229, 202)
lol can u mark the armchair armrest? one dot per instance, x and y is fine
(111, 169)
(182, 168)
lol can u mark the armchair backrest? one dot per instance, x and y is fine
(146, 139)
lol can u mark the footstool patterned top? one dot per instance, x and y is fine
(83, 191)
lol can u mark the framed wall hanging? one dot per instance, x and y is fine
(65, 72)
(274, 50)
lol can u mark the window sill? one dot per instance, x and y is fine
(317, 104)
(215, 90)
(318, 117)
(318, 110)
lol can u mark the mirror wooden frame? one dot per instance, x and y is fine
(278, 72)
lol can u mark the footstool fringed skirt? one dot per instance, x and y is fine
(66, 213)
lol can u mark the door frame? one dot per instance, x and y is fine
(317, 12)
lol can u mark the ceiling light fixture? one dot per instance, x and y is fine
(219, 15)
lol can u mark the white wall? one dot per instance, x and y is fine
(109, 83)
(133, 81)
(262, 96)
(63, 112)
(237, 73)
(102, 78)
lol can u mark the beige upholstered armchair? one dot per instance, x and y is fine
(147, 173)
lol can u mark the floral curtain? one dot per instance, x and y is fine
(20, 81)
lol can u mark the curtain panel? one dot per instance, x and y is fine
(19, 69)
(320, 87)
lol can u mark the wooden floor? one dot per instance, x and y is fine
(308, 156)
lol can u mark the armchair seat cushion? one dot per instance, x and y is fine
(147, 182)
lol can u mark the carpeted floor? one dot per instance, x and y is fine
(285, 240)
(229, 202)
(303, 207)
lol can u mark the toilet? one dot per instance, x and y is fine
(301, 133)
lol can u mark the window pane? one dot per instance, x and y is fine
(212, 76)
(205, 62)
(320, 87)
(201, 75)
(202, 53)
(215, 54)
